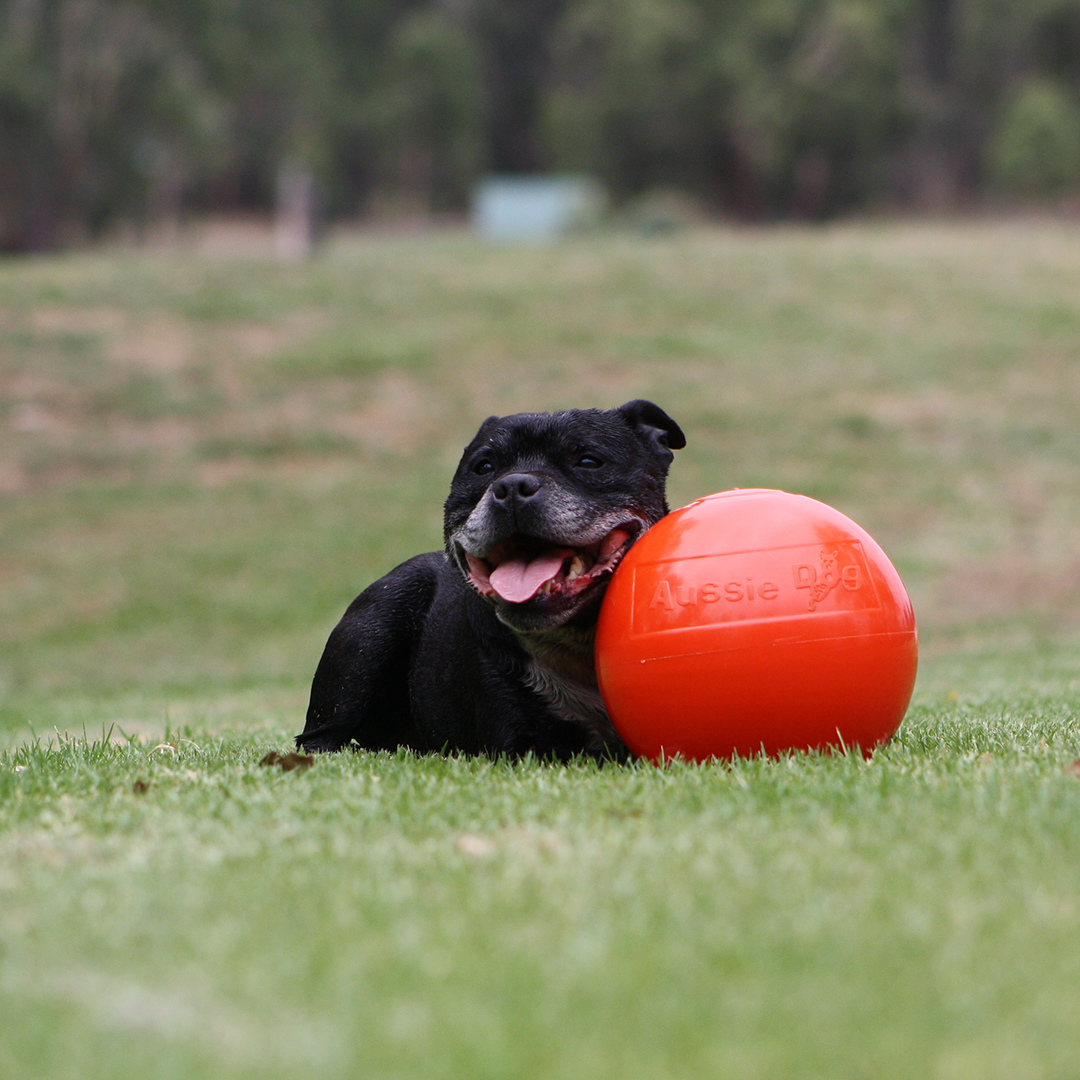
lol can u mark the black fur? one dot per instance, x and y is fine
(432, 657)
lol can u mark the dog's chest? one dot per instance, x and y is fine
(572, 701)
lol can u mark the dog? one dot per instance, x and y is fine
(486, 647)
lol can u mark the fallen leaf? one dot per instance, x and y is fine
(140, 787)
(479, 847)
(288, 762)
(1074, 768)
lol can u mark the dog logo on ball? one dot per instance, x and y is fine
(822, 579)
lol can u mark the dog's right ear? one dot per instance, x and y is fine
(653, 425)
(481, 433)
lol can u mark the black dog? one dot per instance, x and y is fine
(487, 647)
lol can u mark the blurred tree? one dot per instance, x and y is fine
(629, 98)
(514, 42)
(360, 32)
(102, 111)
(974, 58)
(1035, 151)
(428, 111)
(137, 109)
(273, 64)
(812, 104)
(777, 106)
(25, 150)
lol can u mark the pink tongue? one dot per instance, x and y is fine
(520, 579)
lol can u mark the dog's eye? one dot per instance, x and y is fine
(588, 461)
(483, 466)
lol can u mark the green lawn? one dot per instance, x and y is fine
(202, 459)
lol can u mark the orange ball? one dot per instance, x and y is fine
(755, 621)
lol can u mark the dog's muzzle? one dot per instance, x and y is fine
(523, 568)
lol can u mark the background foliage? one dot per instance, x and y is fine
(138, 110)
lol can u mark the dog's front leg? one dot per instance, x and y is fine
(360, 692)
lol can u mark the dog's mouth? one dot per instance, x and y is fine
(522, 568)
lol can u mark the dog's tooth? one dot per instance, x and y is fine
(577, 567)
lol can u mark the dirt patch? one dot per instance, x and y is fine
(1007, 587)
(77, 320)
(12, 478)
(238, 470)
(399, 416)
(232, 238)
(261, 341)
(163, 345)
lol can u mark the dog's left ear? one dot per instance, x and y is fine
(653, 425)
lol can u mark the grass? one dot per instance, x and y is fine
(202, 459)
(181, 910)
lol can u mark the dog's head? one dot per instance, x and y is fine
(544, 505)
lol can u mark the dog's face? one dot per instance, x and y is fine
(544, 505)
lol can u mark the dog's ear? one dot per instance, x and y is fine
(654, 426)
(486, 426)
(481, 434)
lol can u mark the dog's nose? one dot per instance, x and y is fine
(517, 487)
